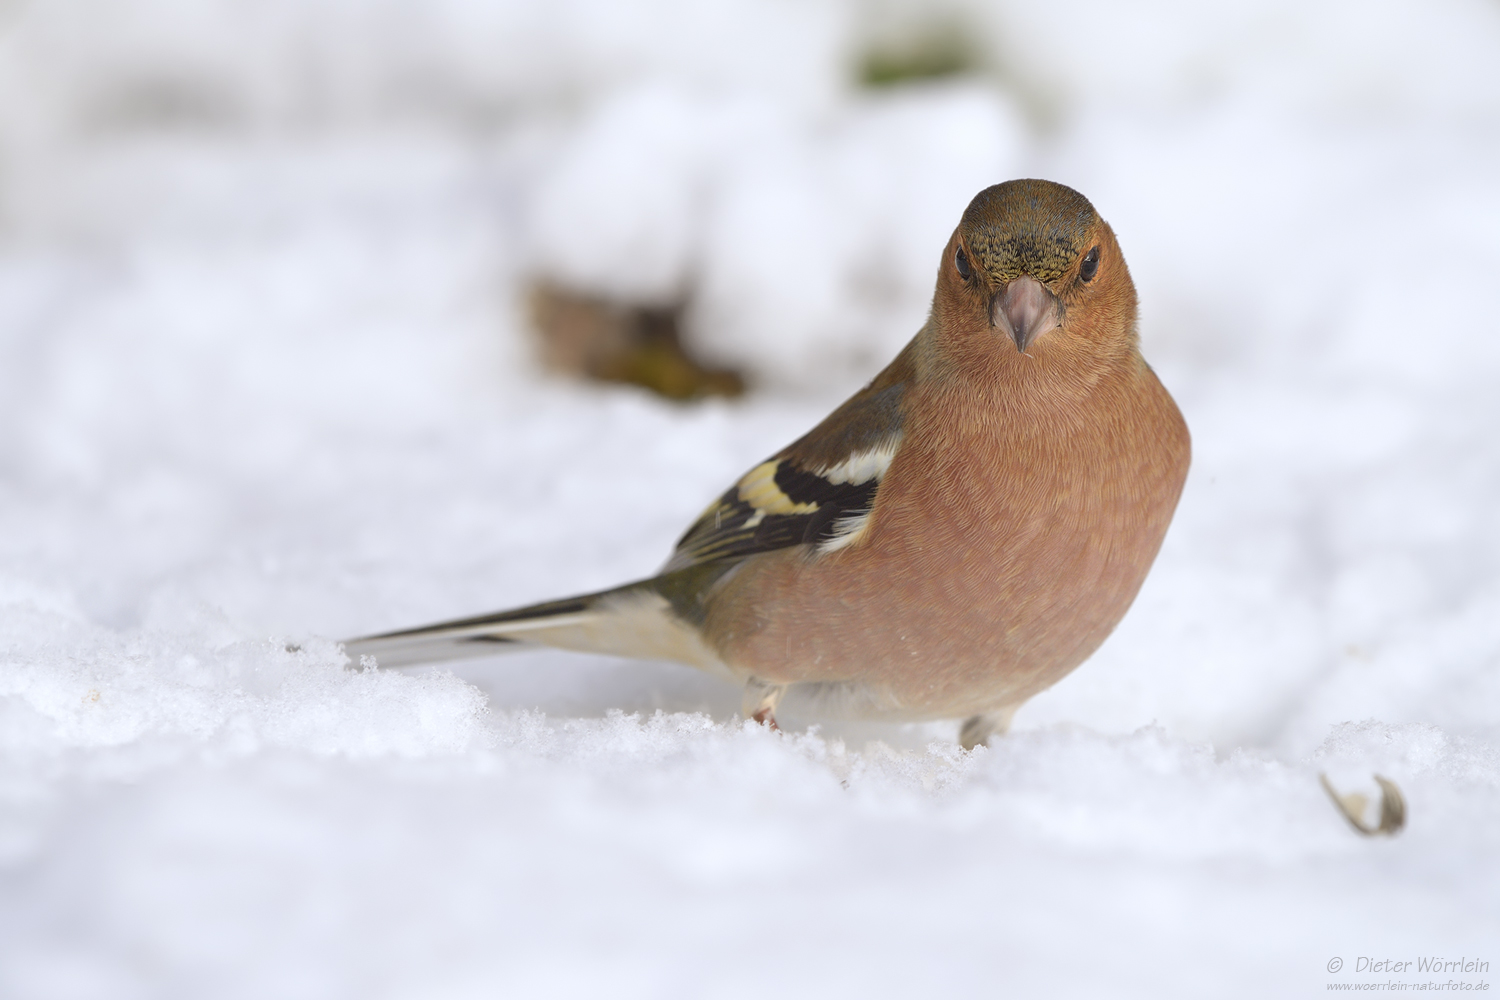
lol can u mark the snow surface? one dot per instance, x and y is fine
(265, 378)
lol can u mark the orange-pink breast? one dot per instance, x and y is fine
(1005, 546)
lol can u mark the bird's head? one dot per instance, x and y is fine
(1032, 262)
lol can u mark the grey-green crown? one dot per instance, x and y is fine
(1027, 227)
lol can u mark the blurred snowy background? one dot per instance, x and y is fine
(266, 375)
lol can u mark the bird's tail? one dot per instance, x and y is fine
(655, 619)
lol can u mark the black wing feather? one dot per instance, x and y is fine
(810, 506)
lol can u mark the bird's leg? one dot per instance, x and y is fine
(978, 729)
(760, 701)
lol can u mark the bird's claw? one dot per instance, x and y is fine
(765, 718)
(760, 701)
(977, 729)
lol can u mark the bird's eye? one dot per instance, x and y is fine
(961, 261)
(1090, 265)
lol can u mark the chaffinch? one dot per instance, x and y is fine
(953, 539)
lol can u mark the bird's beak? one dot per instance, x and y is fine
(1025, 309)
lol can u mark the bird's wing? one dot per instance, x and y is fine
(819, 491)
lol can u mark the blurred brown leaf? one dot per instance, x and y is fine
(620, 342)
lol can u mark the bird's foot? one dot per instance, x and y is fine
(760, 701)
(977, 729)
(765, 718)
